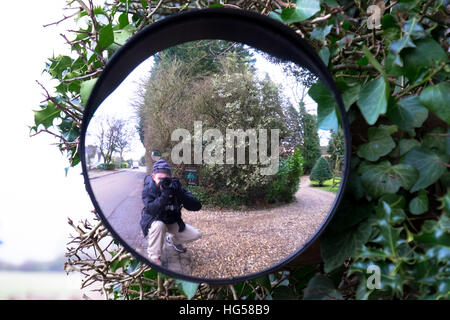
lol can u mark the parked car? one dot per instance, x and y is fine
(135, 164)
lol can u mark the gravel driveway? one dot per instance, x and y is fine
(236, 243)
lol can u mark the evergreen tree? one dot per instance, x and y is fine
(336, 149)
(321, 171)
(311, 143)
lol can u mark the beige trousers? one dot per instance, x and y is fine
(157, 236)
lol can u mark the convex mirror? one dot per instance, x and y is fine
(215, 145)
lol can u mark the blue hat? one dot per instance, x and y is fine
(162, 166)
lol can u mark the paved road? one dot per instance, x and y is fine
(119, 197)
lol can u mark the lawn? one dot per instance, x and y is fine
(328, 185)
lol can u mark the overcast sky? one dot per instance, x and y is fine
(36, 196)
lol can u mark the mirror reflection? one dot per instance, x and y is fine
(208, 159)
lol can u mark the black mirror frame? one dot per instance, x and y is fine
(235, 25)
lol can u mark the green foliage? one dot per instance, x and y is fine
(321, 171)
(310, 146)
(287, 180)
(396, 212)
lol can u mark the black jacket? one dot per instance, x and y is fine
(155, 203)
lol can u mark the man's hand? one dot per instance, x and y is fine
(178, 186)
(165, 193)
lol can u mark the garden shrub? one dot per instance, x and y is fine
(321, 171)
(287, 180)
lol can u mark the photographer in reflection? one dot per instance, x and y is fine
(161, 221)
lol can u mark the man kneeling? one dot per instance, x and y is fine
(163, 198)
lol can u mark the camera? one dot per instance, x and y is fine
(171, 184)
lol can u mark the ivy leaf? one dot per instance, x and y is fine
(321, 288)
(351, 95)
(380, 144)
(320, 33)
(336, 247)
(408, 113)
(429, 165)
(283, 293)
(85, 90)
(385, 178)
(351, 228)
(419, 60)
(373, 99)
(189, 288)
(407, 144)
(46, 115)
(326, 106)
(324, 54)
(304, 10)
(105, 36)
(419, 204)
(436, 98)
(412, 30)
(307, 8)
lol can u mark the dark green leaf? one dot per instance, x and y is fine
(429, 165)
(419, 204)
(326, 106)
(436, 140)
(321, 288)
(390, 279)
(283, 293)
(383, 178)
(394, 217)
(380, 144)
(105, 36)
(46, 115)
(336, 247)
(123, 20)
(412, 30)
(304, 10)
(351, 95)
(373, 99)
(330, 3)
(419, 60)
(85, 90)
(436, 98)
(408, 113)
(407, 144)
(69, 129)
(395, 201)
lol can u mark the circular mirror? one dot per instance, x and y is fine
(215, 146)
